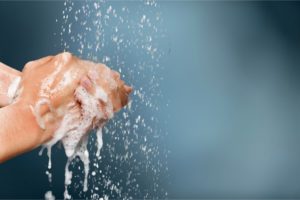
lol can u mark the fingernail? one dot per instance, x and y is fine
(86, 83)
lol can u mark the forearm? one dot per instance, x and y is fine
(19, 131)
(7, 76)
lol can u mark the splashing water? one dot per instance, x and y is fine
(128, 37)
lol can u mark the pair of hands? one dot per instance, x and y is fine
(63, 74)
(55, 79)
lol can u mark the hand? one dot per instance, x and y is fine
(48, 86)
(48, 90)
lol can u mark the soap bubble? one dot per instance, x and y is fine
(130, 38)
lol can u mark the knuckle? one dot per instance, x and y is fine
(28, 66)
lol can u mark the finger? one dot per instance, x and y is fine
(124, 94)
(128, 89)
(87, 83)
(64, 91)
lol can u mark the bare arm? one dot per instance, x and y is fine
(19, 129)
(19, 132)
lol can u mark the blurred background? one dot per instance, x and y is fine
(229, 109)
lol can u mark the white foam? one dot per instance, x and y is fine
(75, 141)
(36, 111)
(67, 78)
(49, 80)
(49, 174)
(68, 179)
(49, 196)
(47, 83)
(46, 89)
(101, 94)
(83, 154)
(49, 156)
(107, 75)
(81, 116)
(12, 89)
(99, 141)
(73, 129)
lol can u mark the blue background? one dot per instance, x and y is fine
(231, 80)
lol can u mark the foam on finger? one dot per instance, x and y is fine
(73, 130)
(90, 109)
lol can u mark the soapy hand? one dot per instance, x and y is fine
(54, 87)
(48, 86)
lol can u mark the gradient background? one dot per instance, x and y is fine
(232, 78)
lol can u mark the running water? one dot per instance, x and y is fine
(130, 38)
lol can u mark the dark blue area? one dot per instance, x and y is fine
(232, 78)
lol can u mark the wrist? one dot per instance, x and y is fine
(7, 77)
(19, 132)
(30, 123)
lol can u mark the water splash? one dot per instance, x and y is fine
(128, 37)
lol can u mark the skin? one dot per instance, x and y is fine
(7, 75)
(20, 131)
